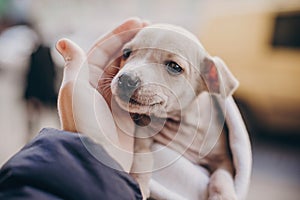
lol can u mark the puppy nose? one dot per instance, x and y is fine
(129, 82)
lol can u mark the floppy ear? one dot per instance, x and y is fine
(217, 76)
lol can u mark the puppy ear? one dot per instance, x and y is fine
(217, 76)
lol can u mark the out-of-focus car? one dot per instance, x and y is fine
(262, 49)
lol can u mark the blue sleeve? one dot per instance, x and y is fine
(56, 165)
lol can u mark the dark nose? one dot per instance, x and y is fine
(128, 82)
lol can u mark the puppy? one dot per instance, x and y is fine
(176, 92)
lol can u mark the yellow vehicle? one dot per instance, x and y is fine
(262, 49)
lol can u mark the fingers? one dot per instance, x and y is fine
(104, 81)
(106, 47)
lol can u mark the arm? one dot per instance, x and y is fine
(56, 165)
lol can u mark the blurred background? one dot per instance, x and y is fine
(259, 40)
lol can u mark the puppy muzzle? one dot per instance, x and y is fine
(127, 84)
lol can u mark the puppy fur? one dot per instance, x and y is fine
(183, 109)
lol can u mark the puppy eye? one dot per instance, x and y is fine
(126, 53)
(173, 68)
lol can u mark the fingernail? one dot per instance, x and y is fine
(62, 44)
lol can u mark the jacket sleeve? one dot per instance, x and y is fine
(56, 165)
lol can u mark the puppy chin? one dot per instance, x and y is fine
(156, 109)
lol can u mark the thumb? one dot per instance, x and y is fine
(70, 51)
(74, 58)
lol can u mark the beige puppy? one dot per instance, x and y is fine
(176, 94)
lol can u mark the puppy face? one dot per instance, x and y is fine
(161, 71)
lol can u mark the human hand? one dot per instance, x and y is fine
(84, 101)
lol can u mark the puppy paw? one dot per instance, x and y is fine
(143, 183)
(145, 192)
